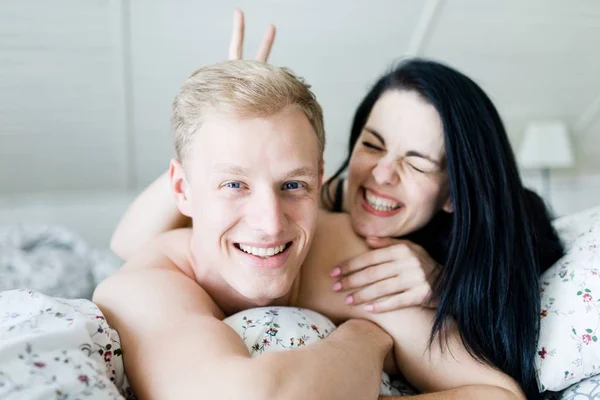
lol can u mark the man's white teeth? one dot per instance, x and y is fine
(262, 251)
(379, 203)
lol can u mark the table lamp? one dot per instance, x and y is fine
(546, 145)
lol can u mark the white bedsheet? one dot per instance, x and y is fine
(53, 348)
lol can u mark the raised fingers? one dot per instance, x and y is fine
(236, 45)
(267, 43)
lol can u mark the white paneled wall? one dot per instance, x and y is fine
(61, 96)
(329, 43)
(86, 85)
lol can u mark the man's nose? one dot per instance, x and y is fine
(266, 213)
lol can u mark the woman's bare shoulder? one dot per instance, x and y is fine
(334, 221)
(335, 239)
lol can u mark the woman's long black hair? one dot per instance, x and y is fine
(499, 238)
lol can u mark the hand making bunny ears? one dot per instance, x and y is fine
(236, 46)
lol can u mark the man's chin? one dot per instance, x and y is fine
(262, 293)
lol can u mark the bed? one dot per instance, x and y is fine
(57, 249)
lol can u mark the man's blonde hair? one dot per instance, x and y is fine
(245, 89)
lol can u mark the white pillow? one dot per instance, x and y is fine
(271, 329)
(569, 346)
(50, 259)
(53, 348)
(587, 389)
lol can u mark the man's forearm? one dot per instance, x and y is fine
(346, 364)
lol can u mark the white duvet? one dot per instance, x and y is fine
(53, 348)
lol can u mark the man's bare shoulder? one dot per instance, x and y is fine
(156, 281)
(174, 246)
(151, 294)
(157, 309)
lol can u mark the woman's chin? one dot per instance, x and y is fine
(366, 228)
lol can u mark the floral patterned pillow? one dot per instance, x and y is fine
(569, 346)
(270, 329)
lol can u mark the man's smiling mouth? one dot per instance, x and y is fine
(262, 251)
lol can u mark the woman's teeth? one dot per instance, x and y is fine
(379, 203)
(262, 251)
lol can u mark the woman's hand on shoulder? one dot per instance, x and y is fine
(395, 274)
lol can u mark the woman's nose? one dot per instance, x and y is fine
(385, 172)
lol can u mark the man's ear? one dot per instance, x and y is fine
(180, 188)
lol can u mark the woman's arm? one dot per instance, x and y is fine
(465, 392)
(153, 212)
(443, 368)
(397, 274)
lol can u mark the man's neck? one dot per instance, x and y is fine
(230, 300)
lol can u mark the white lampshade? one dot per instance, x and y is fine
(546, 145)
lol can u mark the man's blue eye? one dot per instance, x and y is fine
(292, 185)
(233, 185)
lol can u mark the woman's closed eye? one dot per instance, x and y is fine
(416, 169)
(421, 166)
(371, 146)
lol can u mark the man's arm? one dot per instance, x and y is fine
(153, 212)
(176, 346)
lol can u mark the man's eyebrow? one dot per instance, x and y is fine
(231, 169)
(375, 133)
(301, 171)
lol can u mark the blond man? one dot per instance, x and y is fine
(249, 139)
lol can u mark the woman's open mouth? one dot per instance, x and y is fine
(378, 205)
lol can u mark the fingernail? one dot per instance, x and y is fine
(349, 299)
(369, 307)
(335, 272)
(337, 286)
